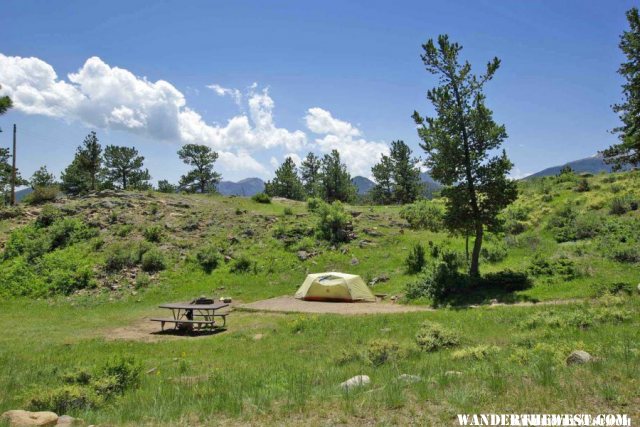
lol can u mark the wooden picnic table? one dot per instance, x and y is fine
(200, 316)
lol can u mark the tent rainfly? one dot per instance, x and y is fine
(337, 287)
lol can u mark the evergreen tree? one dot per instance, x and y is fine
(628, 150)
(202, 178)
(406, 175)
(459, 142)
(286, 182)
(5, 104)
(42, 178)
(397, 177)
(165, 187)
(310, 175)
(5, 164)
(336, 181)
(124, 168)
(382, 192)
(84, 172)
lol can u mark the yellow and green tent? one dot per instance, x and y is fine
(333, 286)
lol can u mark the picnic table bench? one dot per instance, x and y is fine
(188, 315)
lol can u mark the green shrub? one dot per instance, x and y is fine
(494, 252)
(9, 212)
(153, 260)
(515, 219)
(126, 371)
(415, 261)
(153, 233)
(241, 265)
(261, 198)
(208, 258)
(381, 351)
(142, 281)
(440, 281)
(68, 231)
(583, 186)
(619, 206)
(313, 203)
(68, 398)
(333, 222)
(433, 336)
(120, 256)
(288, 211)
(42, 194)
(47, 216)
(542, 266)
(124, 230)
(480, 352)
(507, 280)
(423, 214)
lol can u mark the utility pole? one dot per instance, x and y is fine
(13, 170)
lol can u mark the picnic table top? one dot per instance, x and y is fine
(189, 306)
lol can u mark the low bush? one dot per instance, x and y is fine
(583, 186)
(287, 211)
(125, 255)
(208, 258)
(152, 233)
(507, 280)
(261, 198)
(439, 281)
(381, 351)
(415, 261)
(153, 260)
(333, 222)
(42, 194)
(241, 265)
(480, 352)
(495, 252)
(619, 206)
(433, 336)
(423, 214)
(313, 203)
(542, 266)
(47, 216)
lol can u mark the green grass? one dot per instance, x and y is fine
(291, 375)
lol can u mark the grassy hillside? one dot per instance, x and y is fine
(73, 273)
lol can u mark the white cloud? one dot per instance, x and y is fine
(517, 173)
(235, 94)
(358, 153)
(107, 97)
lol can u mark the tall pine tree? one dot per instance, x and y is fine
(382, 192)
(202, 178)
(310, 175)
(336, 180)
(286, 183)
(627, 152)
(460, 142)
(397, 177)
(124, 168)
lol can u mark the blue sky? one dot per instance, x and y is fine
(261, 80)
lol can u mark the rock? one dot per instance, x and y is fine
(355, 261)
(248, 233)
(355, 214)
(258, 337)
(379, 279)
(579, 357)
(67, 421)
(303, 255)
(493, 301)
(108, 204)
(355, 382)
(232, 239)
(385, 330)
(372, 232)
(152, 371)
(18, 417)
(453, 373)
(407, 378)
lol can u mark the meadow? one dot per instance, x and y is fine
(67, 286)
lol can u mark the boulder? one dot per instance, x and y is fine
(407, 378)
(355, 382)
(18, 417)
(453, 373)
(355, 261)
(68, 421)
(303, 255)
(579, 357)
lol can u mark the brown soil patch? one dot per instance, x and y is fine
(289, 304)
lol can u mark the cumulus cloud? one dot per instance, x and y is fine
(235, 94)
(110, 97)
(358, 153)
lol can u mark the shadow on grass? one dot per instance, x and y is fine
(187, 333)
(484, 296)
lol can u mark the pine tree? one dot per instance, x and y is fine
(310, 175)
(406, 175)
(382, 192)
(286, 182)
(124, 168)
(42, 178)
(202, 178)
(336, 181)
(627, 152)
(459, 142)
(89, 157)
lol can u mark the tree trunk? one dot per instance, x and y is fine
(474, 270)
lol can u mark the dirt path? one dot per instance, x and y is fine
(289, 304)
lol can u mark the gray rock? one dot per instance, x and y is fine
(355, 261)
(453, 373)
(407, 378)
(355, 382)
(67, 421)
(579, 357)
(303, 255)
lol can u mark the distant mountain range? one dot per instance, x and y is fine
(594, 164)
(364, 185)
(246, 187)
